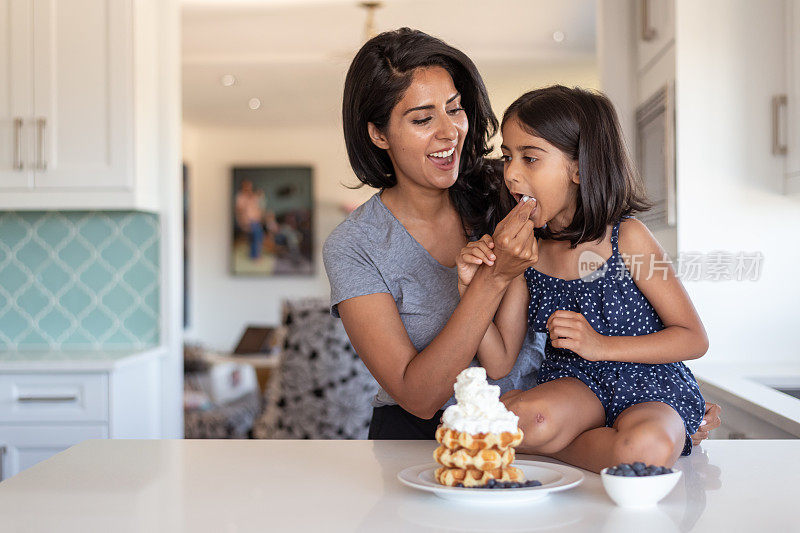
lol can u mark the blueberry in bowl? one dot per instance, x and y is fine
(637, 469)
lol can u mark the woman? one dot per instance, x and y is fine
(417, 120)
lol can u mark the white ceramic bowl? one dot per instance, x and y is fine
(643, 491)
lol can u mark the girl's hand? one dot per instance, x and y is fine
(711, 420)
(515, 244)
(571, 331)
(471, 257)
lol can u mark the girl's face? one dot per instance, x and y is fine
(426, 131)
(534, 167)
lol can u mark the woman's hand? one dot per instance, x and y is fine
(471, 257)
(711, 420)
(515, 245)
(571, 331)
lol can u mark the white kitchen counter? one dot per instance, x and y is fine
(73, 360)
(750, 387)
(250, 485)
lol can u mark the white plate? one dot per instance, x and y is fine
(553, 477)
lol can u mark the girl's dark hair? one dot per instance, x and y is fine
(379, 76)
(584, 126)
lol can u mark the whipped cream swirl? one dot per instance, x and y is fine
(478, 408)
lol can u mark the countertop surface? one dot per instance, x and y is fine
(260, 485)
(73, 360)
(751, 386)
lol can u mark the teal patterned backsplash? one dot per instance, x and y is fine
(79, 279)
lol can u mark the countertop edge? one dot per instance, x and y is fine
(85, 365)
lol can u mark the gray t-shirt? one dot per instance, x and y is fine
(372, 252)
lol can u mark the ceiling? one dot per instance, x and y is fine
(293, 55)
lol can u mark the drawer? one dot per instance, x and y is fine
(25, 445)
(34, 397)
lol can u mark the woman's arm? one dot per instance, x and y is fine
(502, 342)
(683, 336)
(421, 382)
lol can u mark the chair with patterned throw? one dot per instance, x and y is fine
(322, 389)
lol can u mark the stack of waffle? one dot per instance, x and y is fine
(477, 435)
(472, 460)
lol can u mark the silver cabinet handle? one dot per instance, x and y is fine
(17, 143)
(648, 32)
(2, 458)
(47, 399)
(779, 146)
(41, 130)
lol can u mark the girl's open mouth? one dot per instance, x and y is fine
(444, 160)
(518, 197)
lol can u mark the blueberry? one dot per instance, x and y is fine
(638, 467)
(534, 483)
(625, 467)
(651, 471)
(612, 471)
(491, 483)
(628, 473)
(664, 470)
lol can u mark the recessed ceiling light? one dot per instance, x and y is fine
(558, 36)
(228, 80)
(254, 103)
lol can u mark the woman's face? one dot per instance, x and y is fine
(534, 167)
(426, 131)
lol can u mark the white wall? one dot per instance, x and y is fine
(729, 64)
(167, 71)
(220, 305)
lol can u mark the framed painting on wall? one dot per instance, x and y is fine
(272, 221)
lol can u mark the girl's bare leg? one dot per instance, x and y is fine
(651, 432)
(553, 414)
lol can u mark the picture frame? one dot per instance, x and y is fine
(272, 220)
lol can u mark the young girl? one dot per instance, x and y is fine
(619, 328)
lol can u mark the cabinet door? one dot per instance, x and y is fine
(793, 101)
(16, 94)
(655, 25)
(83, 106)
(24, 446)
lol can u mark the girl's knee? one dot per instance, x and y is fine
(536, 422)
(649, 444)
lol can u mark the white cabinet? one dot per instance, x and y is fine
(44, 410)
(16, 94)
(792, 121)
(77, 92)
(655, 30)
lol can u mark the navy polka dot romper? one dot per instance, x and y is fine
(611, 302)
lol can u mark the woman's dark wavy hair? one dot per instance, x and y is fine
(584, 126)
(377, 79)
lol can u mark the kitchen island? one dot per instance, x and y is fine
(250, 485)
